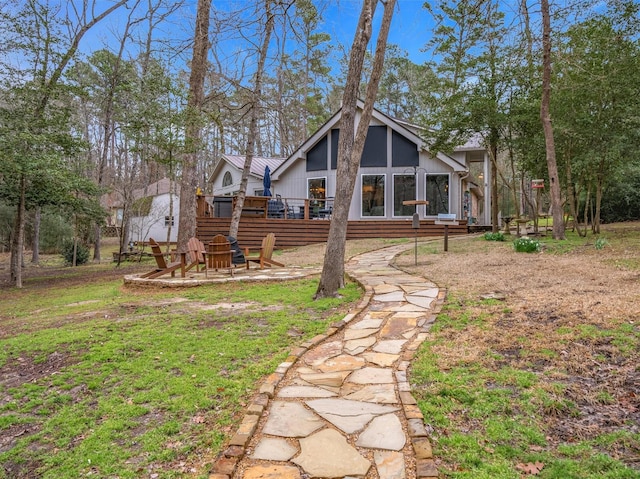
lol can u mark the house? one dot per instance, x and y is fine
(395, 167)
(155, 211)
(226, 175)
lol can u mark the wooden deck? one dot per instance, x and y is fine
(300, 232)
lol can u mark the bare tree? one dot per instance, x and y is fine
(545, 116)
(193, 131)
(108, 125)
(350, 147)
(49, 66)
(253, 122)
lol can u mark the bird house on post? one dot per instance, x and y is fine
(446, 219)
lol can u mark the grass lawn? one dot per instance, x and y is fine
(532, 366)
(105, 381)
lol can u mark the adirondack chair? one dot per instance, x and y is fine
(196, 251)
(263, 257)
(162, 267)
(219, 255)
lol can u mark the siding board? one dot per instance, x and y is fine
(290, 233)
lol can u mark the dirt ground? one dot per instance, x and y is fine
(544, 299)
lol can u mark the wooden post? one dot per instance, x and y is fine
(446, 219)
(446, 237)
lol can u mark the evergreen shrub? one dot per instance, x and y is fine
(82, 253)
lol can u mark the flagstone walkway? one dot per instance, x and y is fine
(340, 406)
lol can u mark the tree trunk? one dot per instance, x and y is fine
(597, 206)
(35, 248)
(17, 246)
(253, 123)
(193, 131)
(573, 201)
(350, 148)
(545, 116)
(493, 149)
(170, 224)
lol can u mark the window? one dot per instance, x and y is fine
(317, 193)
(373, 195)
(316, 189)
(227, 180)
(317, 156)
(403, 151)
(375, 147)
(167, 220)
(404, 189)
(437, 194)
(335, 138)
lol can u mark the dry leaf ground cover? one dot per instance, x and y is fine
(533, 365)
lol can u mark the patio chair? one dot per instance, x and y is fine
(162, 267)
(196, 251)
(264, 254)
(220, 255)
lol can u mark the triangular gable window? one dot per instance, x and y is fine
(404, 152)
(317, 156)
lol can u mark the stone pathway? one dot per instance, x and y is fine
(341, 407)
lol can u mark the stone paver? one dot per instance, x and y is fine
(341, 405)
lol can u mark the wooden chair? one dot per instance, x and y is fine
(197, 254)
(264, 254)
(162, 266)
(219, 255)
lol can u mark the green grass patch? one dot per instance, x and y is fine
(148, 380)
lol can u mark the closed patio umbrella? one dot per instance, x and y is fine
(266, 182)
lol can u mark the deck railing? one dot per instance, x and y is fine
(265, 207)
(295, 222)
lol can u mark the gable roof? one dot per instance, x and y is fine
(258, 164)
(161, 187)
(404, 128)
(115, 199)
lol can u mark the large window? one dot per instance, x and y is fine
(437, 194)
(373, 195)
(404, 189)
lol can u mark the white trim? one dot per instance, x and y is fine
(317, 178)
(454, 164)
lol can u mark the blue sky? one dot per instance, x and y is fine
(410, 27)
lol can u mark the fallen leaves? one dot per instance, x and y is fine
(198, 419)
(531, 468)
